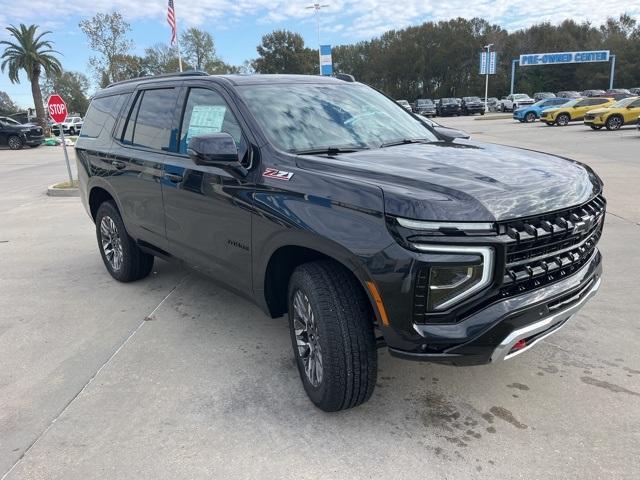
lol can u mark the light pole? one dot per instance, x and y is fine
(317, 7)
(486, 83)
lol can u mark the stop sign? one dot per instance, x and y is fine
(57, 108)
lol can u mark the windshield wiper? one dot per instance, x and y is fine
(328, 150)
(404, 141)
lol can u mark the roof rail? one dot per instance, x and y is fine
(188, 73)
(345, 77)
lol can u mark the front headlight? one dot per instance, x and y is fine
(451, 283)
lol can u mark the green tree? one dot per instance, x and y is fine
(29, 51)
(73, 87)
(199, 49)
(161, 58)
(107, 35)
(7, 105)
(282, 51)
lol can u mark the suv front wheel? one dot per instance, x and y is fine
(120, 253)
(332, 334)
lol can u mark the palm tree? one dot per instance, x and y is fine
(31, 53)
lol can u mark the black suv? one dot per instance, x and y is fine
(16, 135)
(324, 200)
(471, 105)
(448, 106)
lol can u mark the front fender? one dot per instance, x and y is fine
(353, 236)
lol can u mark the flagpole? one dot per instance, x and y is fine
(175, 17)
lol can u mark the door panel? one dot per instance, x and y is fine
(208, 211)
(148, 138)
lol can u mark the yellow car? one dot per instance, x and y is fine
(623, 112)
(573, 111)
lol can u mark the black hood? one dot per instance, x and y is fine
(466, 181)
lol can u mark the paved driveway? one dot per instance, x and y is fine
(174, 377)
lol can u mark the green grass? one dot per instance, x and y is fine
(67, 184)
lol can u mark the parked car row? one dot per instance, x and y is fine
(597, 112)
(445, 106)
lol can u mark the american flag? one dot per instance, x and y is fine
(171, 18)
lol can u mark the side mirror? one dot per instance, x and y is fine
(216, 150)
(449, 134)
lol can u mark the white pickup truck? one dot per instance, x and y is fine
(514, 101)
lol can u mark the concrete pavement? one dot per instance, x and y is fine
(174, 377)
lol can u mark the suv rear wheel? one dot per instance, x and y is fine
(530, 117)
(122, 257)
(331, 326)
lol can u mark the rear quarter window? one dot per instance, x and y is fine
(102, 115)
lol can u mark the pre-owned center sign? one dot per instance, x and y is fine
(555, 58)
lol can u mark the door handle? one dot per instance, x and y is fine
(173, 177)
(119, 164)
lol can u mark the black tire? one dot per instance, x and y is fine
(549, 124)
(134, 264)
(342, 317)
(34, 146)
(72, 131)
(595, 127)
(14, 142)
(614, 122)
(563, 120)
(530, 117)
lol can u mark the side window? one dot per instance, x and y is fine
(127, 136)
(151, 120)
(207, 112)
(635, 104)
(599, 101)
(101, 115)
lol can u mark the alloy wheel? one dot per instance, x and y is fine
(15, 143)
(307, 338)
(111, 242)
(614, 123)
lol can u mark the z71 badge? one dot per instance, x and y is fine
(277, 174)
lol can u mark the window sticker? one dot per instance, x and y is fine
(206, 119)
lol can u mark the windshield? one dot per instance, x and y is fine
(449, 100)
(10, 121)
(520, 96)
(424, 102)
(298, 117)
(403, 102)
(624, 102)
(471, 99)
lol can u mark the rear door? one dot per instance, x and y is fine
(207, 210)
(147, 139)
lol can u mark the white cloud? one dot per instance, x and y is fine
(362, 18)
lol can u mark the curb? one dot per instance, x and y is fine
(499, 116)
(62, 192)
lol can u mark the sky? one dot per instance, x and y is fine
(238, 25)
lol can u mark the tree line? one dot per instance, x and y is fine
(441, 59)
(431, 60)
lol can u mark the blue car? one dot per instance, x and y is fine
(530, 113)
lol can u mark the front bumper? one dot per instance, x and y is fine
(490, 334)
(596, 121)
(34, 140)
